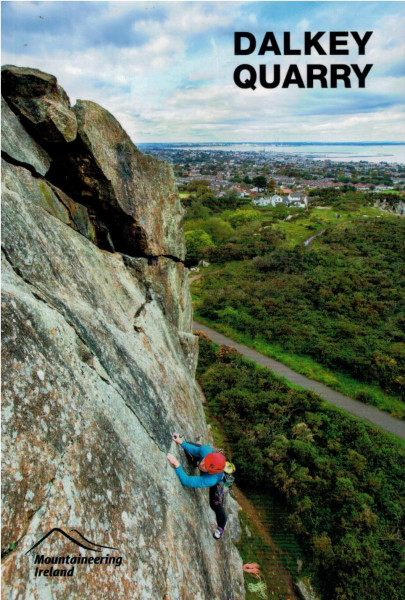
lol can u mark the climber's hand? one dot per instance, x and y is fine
(177, 438)
(173, 461)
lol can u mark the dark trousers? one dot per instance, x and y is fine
(217, 494)
(217, 497)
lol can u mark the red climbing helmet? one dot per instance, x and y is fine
(214, 462)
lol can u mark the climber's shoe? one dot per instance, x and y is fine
(218, 533)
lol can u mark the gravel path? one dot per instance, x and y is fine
(364, 411)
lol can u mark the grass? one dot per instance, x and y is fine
(393, 192)
(299, 229)
(305, 365)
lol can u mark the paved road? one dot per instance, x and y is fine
(364, 411)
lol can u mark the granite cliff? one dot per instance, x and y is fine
(98, 362)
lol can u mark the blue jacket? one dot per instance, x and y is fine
(198, 481)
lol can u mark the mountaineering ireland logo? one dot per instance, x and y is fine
(71, 560)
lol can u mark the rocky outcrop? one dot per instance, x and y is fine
(44, 104)
(98, 363)
(305, 590)
(393, 205)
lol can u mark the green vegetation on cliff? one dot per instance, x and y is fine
(341, 481)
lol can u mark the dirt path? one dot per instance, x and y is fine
(279, 574)
(194, 278)
(271, 566)
(310, 240)
(363, 411)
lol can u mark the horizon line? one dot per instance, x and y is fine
(283, 142)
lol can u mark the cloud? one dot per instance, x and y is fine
(164, 69)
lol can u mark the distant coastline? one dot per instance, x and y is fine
(273, 143)
(374, 152)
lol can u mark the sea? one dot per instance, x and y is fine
(349, 152)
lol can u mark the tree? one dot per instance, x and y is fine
(197, 243)
(196, 210)
(218, 229)
(271, 185)
(260, 182)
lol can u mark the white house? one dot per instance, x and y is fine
(262, 201)
(298, 199)
(276, 199)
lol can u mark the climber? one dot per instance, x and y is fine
(212, 466)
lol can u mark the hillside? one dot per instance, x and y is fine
(337, 482)
(320, 291)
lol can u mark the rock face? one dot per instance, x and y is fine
(396, 206)
(305, 589)
(41, 101)
(98, 364)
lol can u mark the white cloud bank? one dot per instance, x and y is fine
(165, 69)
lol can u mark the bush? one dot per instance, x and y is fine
(341, 480)
(342, 303)
(366, 397)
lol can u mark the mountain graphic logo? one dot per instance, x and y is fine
(72, 539)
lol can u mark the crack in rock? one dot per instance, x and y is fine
(18, 163)
(138, 312)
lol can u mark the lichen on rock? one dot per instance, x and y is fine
(98, 361)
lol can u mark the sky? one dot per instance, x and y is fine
(165, 69)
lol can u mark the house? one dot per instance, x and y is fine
(298, 199)
(383, 188)
(262, 201)
(241, 193)
(276, 199)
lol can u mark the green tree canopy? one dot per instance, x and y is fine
(260, 182)
(197, 243)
